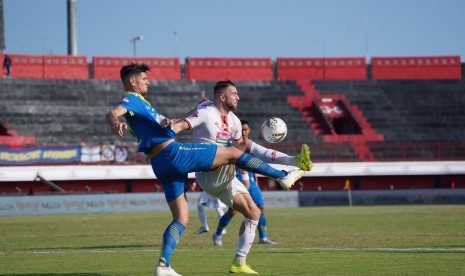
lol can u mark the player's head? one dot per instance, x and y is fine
(225, 92)
(134, 77)
(245, 129)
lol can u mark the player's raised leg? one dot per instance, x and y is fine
(301, 160)
(232, 155)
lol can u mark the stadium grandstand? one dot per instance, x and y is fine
(396, 109)
(378, 124)
(386, 135)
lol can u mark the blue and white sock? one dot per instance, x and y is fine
(253, 164)
(170, 240)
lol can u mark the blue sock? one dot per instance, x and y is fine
(253, 164)
(223, 222)
(262, 227)
(170, 239)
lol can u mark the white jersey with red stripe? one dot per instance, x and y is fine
(208, 126)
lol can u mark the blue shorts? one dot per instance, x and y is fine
(257, 196)
(176, 161)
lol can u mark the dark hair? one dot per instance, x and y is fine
(132, 69)
(245, 122)
(221, 85)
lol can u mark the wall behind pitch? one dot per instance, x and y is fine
(108, 203)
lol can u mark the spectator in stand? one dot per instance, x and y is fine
(7, 65)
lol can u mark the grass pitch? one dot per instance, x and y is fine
(382, 240)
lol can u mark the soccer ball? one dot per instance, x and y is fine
(274, 130)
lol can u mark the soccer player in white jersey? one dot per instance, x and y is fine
(171, 161)
(216, 123)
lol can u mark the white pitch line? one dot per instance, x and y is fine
(335, 249)
(381, 249)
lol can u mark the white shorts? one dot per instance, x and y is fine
(205, 199)
(221, 183)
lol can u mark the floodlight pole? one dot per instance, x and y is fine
(365, 14)
(133, 41)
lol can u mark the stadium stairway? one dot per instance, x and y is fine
(414, 114)
(323, 111)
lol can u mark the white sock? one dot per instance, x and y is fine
(219, 212)
(271, 155)
(218, 208)
(202, 216)
(245, 239)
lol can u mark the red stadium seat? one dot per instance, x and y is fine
(49, 67)
(161, 68)
(417, 68)
(237, 69)
(321, 68)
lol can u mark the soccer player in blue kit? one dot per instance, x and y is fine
(172, 161)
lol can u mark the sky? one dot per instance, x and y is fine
(240, 28)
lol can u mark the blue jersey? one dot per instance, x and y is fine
(253, 183)
(254, 189)
(144, 122)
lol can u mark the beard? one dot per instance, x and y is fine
(231, 106)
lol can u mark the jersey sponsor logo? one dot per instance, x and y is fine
(157, 118)
(222, 138)
(125, 99)
(187, 148)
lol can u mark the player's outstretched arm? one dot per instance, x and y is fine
(112, 117)
(178, 125)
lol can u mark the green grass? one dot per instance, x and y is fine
(394, 240)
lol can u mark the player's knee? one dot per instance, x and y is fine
(184, 220)
(234, 154)
(254, 213)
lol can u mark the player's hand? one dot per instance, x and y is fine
(119, 128)
(166, 122)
